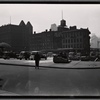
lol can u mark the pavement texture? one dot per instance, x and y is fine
(50, 64)
(19, 80)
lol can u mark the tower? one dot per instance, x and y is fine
(62, 26)
(63, 22)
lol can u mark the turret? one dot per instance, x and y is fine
(30, 27)
(22, 23)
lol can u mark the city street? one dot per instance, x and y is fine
(26, 80)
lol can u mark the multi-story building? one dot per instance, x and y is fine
(42, 41)
(65, 38)
(18, 36)
(21, 37)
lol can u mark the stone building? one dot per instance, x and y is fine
(22, 38)
(64, 38)
(18, 36)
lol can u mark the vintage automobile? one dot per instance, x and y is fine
(24, 55)
(59, 59)
(9, 54)
(85, 58)
(42, 55)
(6, 55)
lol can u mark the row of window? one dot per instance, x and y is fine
(43, 47)
(78, 34)
(42, 40)
(73, 46)
(72, 40)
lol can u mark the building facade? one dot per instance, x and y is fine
(18, 36)
(64, 38)
(22, 38)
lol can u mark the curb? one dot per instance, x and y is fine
(3, 92)
(50, 66)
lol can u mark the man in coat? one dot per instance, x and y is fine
(37, 59)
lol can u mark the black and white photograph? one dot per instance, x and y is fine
(49, 49)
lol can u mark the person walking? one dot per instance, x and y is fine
(37, 59)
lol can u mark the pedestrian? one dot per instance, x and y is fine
(37, 59)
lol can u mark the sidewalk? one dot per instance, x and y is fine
(50, 64)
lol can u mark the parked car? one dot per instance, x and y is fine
(92, 58)
(42, 55)
(71, 55)
(6, 55)
(9, 54)
(24, 55)
(31, 57)
(50, 54)
(60, 59)
(85, 58)
(77, 56)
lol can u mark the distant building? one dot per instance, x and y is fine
(95, 42)
(53, 27)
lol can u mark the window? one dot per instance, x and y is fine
(66, 35)
(77, 34)
(68, 46)
(71, 40)
(74, 40)
(68, 40)
(71, 46)
(80, 45)
(63, 41)
(77, 40)
(63, 46)
(74, 45)
(77, 45)
(80, 34)
(80, 40)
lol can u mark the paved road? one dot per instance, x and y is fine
(50, 81)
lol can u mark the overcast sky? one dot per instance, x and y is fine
(42, 16)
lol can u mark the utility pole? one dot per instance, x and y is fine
(62, 14)
(98, 44)
(10, 19)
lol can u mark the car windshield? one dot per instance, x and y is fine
(50, 49)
